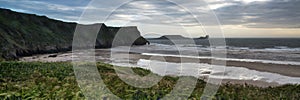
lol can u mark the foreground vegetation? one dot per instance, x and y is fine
(35, 80)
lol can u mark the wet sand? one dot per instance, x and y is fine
(283, 69)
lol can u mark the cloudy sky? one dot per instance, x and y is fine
(192, 18)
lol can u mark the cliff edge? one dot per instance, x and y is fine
(27, 34)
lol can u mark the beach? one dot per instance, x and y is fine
(258, 72)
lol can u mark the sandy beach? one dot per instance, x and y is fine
(104, 55)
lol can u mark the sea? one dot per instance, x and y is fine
(275, 49)
(282, 51)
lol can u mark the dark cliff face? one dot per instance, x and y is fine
(27, 34)
(175, 37)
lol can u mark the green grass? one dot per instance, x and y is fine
(36, 80)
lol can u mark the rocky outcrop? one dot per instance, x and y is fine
(27, 34)
(176, 37)
(173, 37)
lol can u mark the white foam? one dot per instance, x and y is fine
(233, 48)
(227, 59)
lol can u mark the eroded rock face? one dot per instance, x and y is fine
(27, 34)
(102, 36)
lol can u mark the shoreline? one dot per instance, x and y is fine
(263, 67)
(283, 69)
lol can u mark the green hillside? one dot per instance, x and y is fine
(26, 34)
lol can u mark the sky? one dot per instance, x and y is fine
(191, 18)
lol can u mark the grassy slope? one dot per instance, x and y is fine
(26, 34)
(57, 80)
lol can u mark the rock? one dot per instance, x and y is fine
(52, 56)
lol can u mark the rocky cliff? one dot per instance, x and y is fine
(27, 34)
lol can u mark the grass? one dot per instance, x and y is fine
(36, 80)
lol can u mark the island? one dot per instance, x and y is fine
(176, 37)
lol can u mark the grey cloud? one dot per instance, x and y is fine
(268, 14)
(155, 12)
(271, 14)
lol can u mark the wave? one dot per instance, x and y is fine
(202, 47)
(226, 59)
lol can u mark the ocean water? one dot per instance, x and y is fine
(271, 49)
(250, 43)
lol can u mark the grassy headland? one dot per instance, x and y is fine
(36, 80)
(24, 34)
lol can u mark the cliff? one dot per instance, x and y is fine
(206, 37)
(27, 34)
(175, 37)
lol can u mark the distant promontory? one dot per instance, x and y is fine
(176, 37)
(27, 34)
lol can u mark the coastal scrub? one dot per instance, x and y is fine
(37, 80)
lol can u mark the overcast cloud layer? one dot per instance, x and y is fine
(248, 13)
